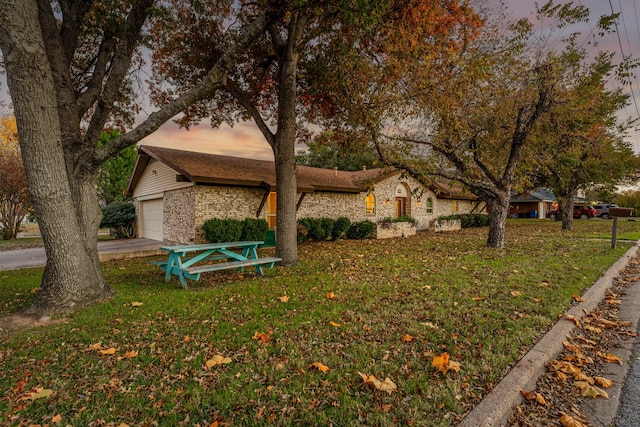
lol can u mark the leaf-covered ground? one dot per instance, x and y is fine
(408, 331)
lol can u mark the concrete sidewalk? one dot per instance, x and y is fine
(108, 250)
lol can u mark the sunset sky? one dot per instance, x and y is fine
(244, 140)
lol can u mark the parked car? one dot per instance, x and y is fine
(579, 212)
(602, 209)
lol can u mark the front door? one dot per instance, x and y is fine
(401, 206)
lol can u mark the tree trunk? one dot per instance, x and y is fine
(72, 275)
(498, 220)
(285, 159)
(565, 204)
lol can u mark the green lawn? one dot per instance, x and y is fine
(395, 304)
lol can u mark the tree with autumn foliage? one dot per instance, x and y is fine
(283, 76)
(14, 191)
(580, 144)
(468, 115)
(71, 72)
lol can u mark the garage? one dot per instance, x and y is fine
(150, 219)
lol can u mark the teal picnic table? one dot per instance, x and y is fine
(190, 261)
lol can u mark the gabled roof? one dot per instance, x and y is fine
(537, 195)
(203, 168)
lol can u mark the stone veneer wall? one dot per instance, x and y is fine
(225, 202)
(178, 217)
(333, 205)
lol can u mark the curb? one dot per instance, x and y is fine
(494, 410)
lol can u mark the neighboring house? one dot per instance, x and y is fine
(532, 204)
(176, 191)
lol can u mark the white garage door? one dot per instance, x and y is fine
(151, 219)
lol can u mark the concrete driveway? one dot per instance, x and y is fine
(108, 250)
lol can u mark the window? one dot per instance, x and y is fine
(429, 205)
(370, 203)
(271, 210)
(454, 206)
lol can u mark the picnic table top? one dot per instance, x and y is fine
(210, 246)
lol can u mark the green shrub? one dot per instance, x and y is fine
(254, 229)
(222, 230)
(361, 230)
(316, 230)
(119, 217)
(304, 225)
(469, 220)
(340, 228)
(328, 225)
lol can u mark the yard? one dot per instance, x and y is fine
(289, 348)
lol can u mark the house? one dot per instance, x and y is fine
(176, 191)
(532, 204)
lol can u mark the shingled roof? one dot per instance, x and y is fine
(203, 168)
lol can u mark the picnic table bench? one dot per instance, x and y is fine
(190, 261)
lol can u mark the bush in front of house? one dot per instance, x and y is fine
(340, 228)
(361, 230)
(254, 229)
(222, 230)
(469, 220)
(315, 228)
(119, 218)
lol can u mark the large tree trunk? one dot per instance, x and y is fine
(565, 204)
(498, 220)
(285, 159)
(72, 276)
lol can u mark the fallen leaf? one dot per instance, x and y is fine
(407, 338)
(603, 382)
(443, 363)
(263, 337)
(37, 393)
(331, 295)
(568, 421)
(387, 385)
(577, 298)
(573, 319)
(477, 298)
(430, 325)
(319, 366)
(109, 351)
(609, 357)
(516, 293)
(335, 325)
(589, 390)
(95, 346)
(284, 298)
(217, 360)
(534, 395)
(136, 304)
(131, 354)
(56, 419)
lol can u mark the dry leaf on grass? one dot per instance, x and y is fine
(387, 385)
(56, 419)
(335, 325)
(516, 293)
(283, 298)
(36, 393)
(109, 351)
(136, 304)
(319, 366)
(263, 337)
(217, 360)
(331, 295)
(407, 338)
(443, 363)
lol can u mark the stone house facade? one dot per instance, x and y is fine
(176, 191)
